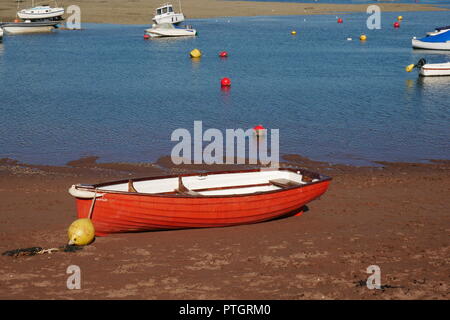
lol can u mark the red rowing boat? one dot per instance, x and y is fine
(216, 199)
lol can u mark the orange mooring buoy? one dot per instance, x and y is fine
(340, 20)
(223, 54)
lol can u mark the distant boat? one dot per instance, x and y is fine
(216, 199)
(438, 30)
(165, 14)
(437, 40)
(42, 12)
(435, 69)
(28, 26)
(1, 34)
(169, 30)
(430, 69)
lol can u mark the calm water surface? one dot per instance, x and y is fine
(105, 91)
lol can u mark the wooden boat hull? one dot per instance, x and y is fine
(125, 212)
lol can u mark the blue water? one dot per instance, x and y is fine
(105, 91)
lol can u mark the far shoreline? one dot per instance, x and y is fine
(141, 11)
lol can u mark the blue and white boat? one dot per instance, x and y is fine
(437, 40)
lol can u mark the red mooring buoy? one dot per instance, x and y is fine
(340, 20)
(258, 129)
(223, 54)
(225, 82)
(146, 36)
(396, 24)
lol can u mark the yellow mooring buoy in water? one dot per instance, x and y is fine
(81, 232)
(363, 37)
(293, 32)
(399, 18)
(409, 68)
(196, 53)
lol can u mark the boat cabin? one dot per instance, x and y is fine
(168, 8)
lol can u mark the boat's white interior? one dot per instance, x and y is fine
(244, 183)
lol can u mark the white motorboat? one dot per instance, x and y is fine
(1, 34)
(435, 69)
(169, 30)
(438, 40)
(41, 12)
(165, 14)
(29, 27)
(430, 69)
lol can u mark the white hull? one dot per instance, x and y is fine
(1, 34)
(38, 15)
(159, 34)
(435, 69)
(430, 45)
(25, 30)
(165, 31)
(169, 18)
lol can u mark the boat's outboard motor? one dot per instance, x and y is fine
(418, 65)
(421, 63)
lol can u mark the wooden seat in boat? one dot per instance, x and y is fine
(284, 183)
(131, 186)
(183, 190)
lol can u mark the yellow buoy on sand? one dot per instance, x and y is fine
(196, 53)
(293, 32)
(363, 37)
(81, 232)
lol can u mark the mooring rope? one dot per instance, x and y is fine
(39, 250)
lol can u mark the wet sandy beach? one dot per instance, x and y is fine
(141, 11)
(395, 216)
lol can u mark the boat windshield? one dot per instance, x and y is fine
(158, 12)
(170, 9)
(164, 10)
(165, 26)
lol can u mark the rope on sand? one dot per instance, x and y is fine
(39, 250)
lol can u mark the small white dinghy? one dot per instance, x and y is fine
(430, 69)
(29, 27)
(169, 30)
